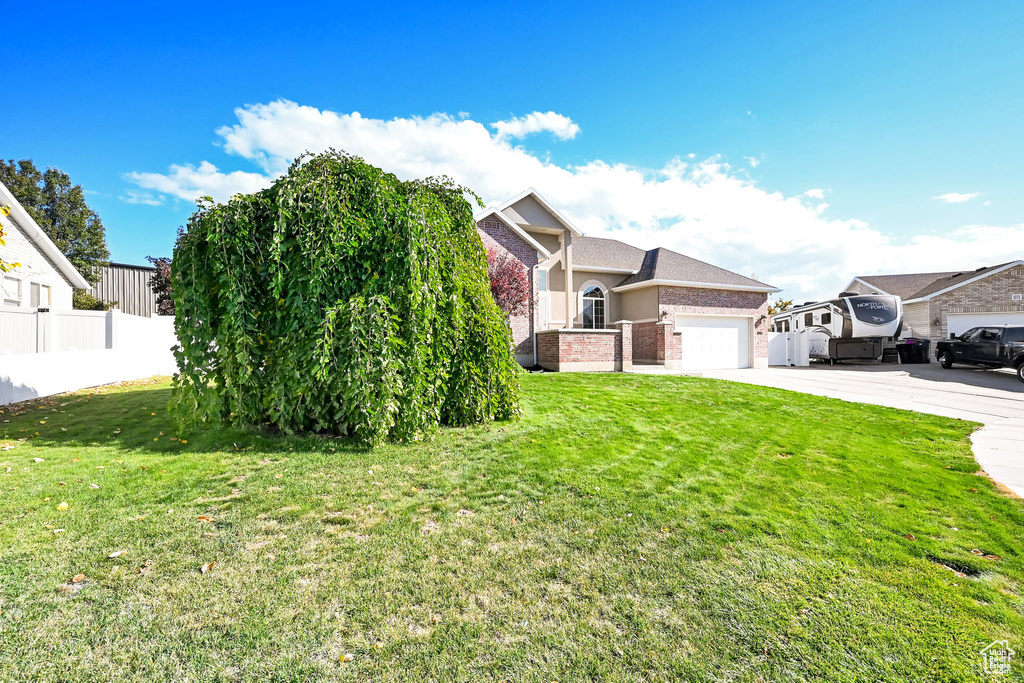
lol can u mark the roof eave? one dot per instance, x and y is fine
(865, 282)
(32, 230)
(601, 269)
(514, 228)
(697, 285)
(547, 206)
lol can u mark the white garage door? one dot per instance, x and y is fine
(713, 342)
(959, 323)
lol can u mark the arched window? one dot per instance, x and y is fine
(593, 308)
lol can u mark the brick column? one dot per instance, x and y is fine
(624, 346)
(667, 345)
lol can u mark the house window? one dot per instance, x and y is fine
(39, 295)
(542, 280)
(826, 318)
(12, 291)
(593, 308)
(808, 319)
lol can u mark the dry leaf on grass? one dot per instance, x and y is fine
(910, 537)
(206, 567)
(63, 505)
(347, 657)
(78, 578)
(204, 518)
(117, 553)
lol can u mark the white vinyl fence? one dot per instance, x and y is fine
(49, 352)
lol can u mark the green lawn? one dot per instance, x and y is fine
(627, 528)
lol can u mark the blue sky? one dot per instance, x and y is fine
(875, 108)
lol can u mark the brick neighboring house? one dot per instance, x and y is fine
(936, 305)
(603, 305)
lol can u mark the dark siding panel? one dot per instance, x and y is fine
(129, 287)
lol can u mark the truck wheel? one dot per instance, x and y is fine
(1020, 372)
(946, 360)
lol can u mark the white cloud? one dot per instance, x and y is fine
(956, 197)
(753, 161)
(701, 208)
(190, 182)
(560, 126)
(142, 197)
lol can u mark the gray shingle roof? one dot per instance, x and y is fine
(916, 285)
(904, 285)
(955, 279)
(603, 253)
(656, 264)
(665, 264)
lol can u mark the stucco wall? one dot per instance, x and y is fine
(35, 267)
(496, 234)
(581, 280)
(640, 304)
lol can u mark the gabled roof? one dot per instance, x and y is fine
(944, 284)
(913, 287)
(597, 252)
(510, 224)
(530, 192)
(666, 267)
(35, 234)
(904, 286)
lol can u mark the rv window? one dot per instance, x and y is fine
(826, 318)
(785, 324)
(808, 319)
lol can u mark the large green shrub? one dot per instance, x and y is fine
(340, 300)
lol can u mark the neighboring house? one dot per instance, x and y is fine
(936, 305)
(44, 278)
(128, 285)
(603, 305)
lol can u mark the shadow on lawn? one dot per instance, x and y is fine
(137, 418)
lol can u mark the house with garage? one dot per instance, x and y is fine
(602, 305)
(44, 276)
(936, 305)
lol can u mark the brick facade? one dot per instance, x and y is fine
(578, 349)
(720, 302)
(992, 293)
(496, 234)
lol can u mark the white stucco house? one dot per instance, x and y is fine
(44, 277)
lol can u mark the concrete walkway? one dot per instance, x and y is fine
(993, 397)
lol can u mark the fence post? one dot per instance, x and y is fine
(44, 327)
(113, 323)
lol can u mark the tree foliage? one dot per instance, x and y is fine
(83, 301)
(779, 305)
(160, 283)
(339, 300)
(61, 211)
(5, 266)
(510, 282)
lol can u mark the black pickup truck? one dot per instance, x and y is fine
(994, 346)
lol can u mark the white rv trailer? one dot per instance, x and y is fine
(852, 327)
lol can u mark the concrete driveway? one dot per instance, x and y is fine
(993, 397)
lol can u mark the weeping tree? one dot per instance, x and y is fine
(340, 300)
